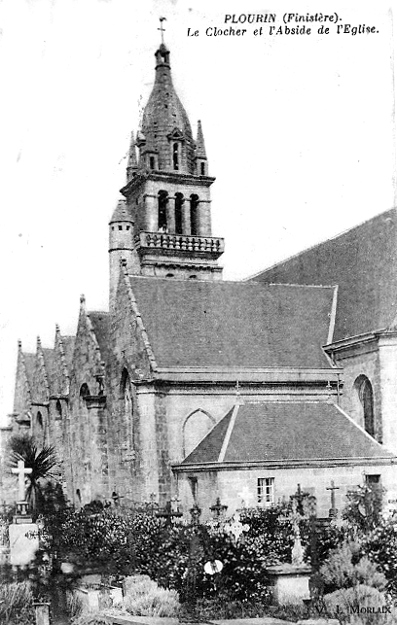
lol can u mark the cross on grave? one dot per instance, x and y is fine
(218, 509)
(235, 527)
(298, 498)
(161, 29)
(22, 473)
(333, 512)
(168, 513)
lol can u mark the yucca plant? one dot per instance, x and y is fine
(41, 461)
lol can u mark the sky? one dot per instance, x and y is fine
(299, 129)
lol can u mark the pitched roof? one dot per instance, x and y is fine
(194, 323)
(100, 321)
(363, 262)
(270, 431)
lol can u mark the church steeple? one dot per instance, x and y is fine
(168, 189)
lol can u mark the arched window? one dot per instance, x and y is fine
(162, 206)
(194, 428)
(39, 419)
(366, 398)
(84, 391)
(194, 220)
(58, 409)
(178, 212)
(175, 155)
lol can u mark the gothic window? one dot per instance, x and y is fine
(194, 202)
(178, 212)
(366, 399)
(194, 429)
(162, 206)
(84, 391)
(175, 155)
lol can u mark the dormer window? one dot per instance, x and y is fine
(152, 162)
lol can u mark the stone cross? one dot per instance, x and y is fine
(218, 508)
(235, 527)
(161, 29)
(22, 473)
(333, 512)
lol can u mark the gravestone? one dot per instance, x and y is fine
(24, 534)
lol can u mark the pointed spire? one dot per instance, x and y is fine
(200, 145)
(82, 302)
(38, 343)
(132, 161)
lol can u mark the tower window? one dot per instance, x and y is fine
(178, 212)
(202, 169)
(39, 418)
(152, 162)
(84, 390)
(120, 227)
(265, 490)
(194, 218)
(58, 409)
(162, 207)
(175, 155)
(127, 227)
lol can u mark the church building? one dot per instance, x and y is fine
(195, 388)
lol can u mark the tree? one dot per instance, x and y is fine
(23, 447)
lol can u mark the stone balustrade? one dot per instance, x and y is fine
(179, 242)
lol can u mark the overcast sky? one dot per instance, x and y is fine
(299, 130)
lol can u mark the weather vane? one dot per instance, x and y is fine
(161, 29)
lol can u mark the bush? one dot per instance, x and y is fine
(16, 603)
(345, 568)
(358, 605)
(380, 546)
(145, 598)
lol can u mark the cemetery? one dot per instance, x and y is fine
(117, 563)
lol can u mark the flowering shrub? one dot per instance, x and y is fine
(380, 546)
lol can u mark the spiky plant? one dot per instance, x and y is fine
(41, 461)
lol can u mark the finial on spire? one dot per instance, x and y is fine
(132, 164)
(161, 29)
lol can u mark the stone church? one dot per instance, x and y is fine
(194, 388)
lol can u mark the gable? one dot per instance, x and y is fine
(363, 263)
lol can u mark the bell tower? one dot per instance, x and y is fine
(167, 195)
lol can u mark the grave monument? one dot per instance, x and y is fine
(24, 534)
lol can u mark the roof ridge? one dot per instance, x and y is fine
(315, 245)
(222, 282)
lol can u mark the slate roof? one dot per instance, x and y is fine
(194, 323)
(286, 431)
(363, 262)
(100, 321)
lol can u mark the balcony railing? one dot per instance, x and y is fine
(152, 241)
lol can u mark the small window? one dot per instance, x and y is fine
(112, 227)
(58, 409)
(162, 208)
(193, 277)
(39, 418)
(178, 212)
(265, 490)
(202, 168)
(372, 480)
(84, 391)
(169, 275)
(175, 155)
(194, 217)
(152, 162)
(127, 227)
(120, 227)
